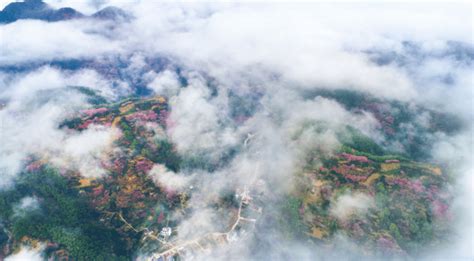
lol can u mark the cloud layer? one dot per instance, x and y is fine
(237, 78)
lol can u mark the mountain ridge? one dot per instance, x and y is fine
(39, 10)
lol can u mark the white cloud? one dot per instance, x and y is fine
(195, 121)
(26, 254)
(165, 83)
(26, 205)
(346, 205)
(304, 43)
(36, 105)
(457, 152)
(86, 150)
(33, 40)
(25, 86)
(166, 178)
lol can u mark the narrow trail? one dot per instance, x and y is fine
(148, 233)
(220, 237)
(181, 247)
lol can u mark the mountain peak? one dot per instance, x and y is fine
(112, 13)
(37, 9)
(30, 9)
